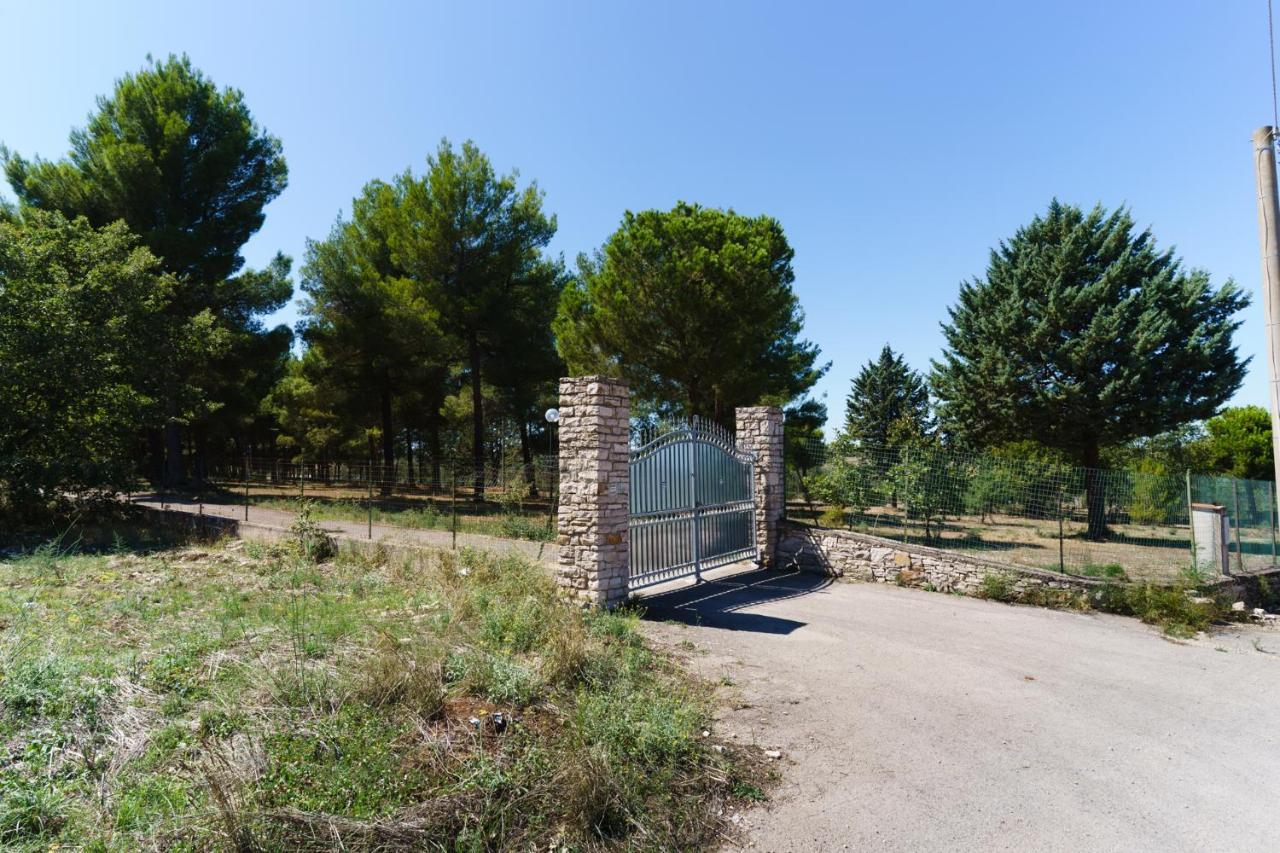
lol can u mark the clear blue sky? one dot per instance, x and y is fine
(895, 142)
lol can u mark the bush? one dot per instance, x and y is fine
(1178, 609)
(309, 538)
(832, 517)
(996, 587)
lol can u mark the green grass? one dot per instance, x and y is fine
(224, 698)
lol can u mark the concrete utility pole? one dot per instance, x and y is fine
(1264, 161)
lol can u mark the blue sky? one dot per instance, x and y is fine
(896, 143)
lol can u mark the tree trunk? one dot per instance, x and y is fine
(408, 455)
(1094, 495)
(526, 455)
(433, 447)
(155, 452)
(388, 443)
(201, 443)
(172, 450)
(477, 420)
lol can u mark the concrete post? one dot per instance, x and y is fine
(1264, 163)
(595, 433)
(760, 432)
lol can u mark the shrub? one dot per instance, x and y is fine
(832, 517)
(996, 587)
(310, 539)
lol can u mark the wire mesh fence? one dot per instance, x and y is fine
(1093, 522)
(505, 498)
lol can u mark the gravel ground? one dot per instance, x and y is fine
(908, 720)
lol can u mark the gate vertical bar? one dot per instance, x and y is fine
(693, 502)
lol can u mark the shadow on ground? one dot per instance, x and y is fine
(719, 603)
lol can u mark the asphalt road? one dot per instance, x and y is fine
(918, 721)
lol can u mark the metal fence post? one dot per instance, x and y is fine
(246, 487)
(1062, 563)
(453, 502)
(1191, 525)
(906, 492)
(370, 503)
(1235, 500)
(1272, 521)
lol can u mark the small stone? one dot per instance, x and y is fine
(1237, 606)
(773, 753)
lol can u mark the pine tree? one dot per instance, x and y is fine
(1082, 336)
(885, 391)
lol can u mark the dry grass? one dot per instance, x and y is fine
(1155, 553)
(243, 698)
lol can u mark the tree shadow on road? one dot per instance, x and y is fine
(719, 603)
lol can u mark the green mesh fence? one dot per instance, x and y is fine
(1118, 523)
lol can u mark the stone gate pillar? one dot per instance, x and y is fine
(595, 438)
(759, 430)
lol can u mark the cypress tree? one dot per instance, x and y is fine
(884, 392)
(1084, 335)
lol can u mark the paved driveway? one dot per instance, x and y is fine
(910, 720)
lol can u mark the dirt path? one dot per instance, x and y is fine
(917, 721)
(271, 522)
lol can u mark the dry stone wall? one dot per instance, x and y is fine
(843, 552)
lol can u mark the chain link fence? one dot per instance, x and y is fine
(1092, 522)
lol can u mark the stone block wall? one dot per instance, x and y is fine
(595, 433)
(759, 430)
(871, 558)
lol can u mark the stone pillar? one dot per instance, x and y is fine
(595, 439)
(760, 432)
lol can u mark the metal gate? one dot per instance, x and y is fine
(692, 505)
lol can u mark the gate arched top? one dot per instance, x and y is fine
(651, 438)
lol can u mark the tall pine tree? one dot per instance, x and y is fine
(886, 391)
(1084, 335)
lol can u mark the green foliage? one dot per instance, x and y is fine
(929, 481)
(996, 587)
(1156, 496)
(311, 540)
(694, 308)
(80, 312)
(1178, 609)
(835, 516)
(186, 167)
(884, 392)
(1084, 335)
(1239, 443)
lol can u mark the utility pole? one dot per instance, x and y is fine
(1264, 162)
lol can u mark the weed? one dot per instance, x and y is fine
(149, 801)
(311, 540)
(1177, 609)
(996, 587)
(833, 517)
(29, 809)
(1110, 571)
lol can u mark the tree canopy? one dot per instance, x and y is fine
(80, 309)
(186, 167)
(1238, 443)
(885, 392)
(1084, 334)
(694, 308)
(473, 241)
